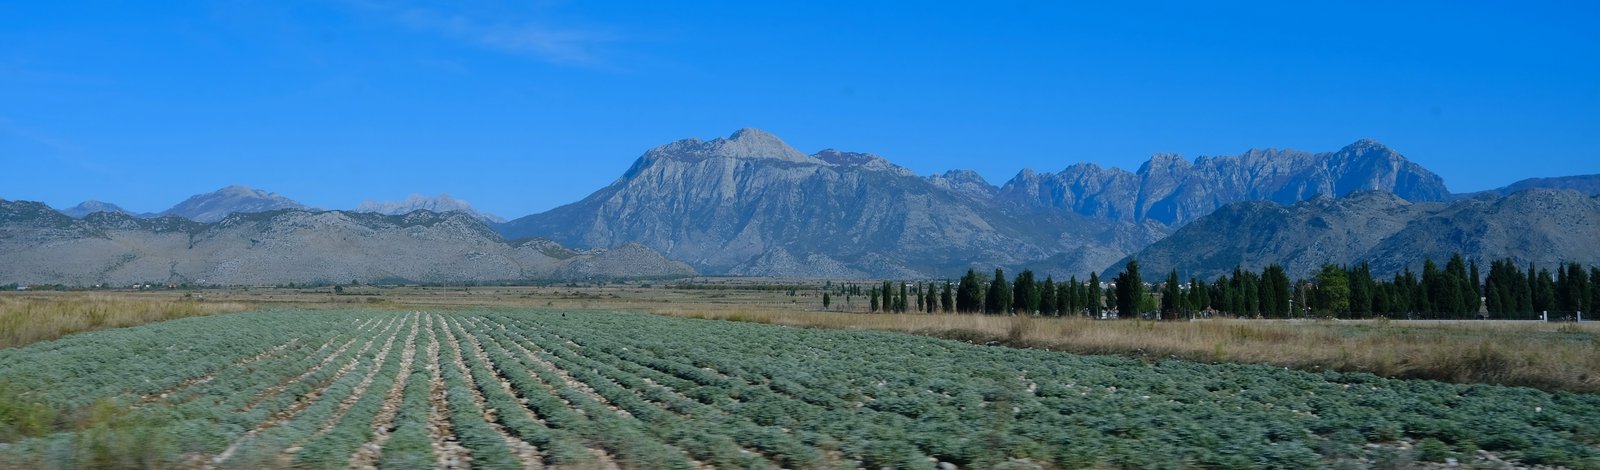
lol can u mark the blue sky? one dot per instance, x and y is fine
(522, 106)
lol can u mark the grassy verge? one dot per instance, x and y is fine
(26, 320)
(1540, 355)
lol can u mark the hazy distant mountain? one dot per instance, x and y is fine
(1587, 184)
(418, 202)
(40, 245)
(750, 204)
(1540, 226)
(92, 206)
(214, 206)
(1173, 191)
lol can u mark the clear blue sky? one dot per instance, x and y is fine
(522, 106)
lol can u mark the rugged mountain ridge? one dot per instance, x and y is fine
(750, 204)
(1541, 226)
(1173, 191)
(43, 246)
(418, 202)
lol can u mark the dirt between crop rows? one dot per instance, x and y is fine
(366, 456)
(449, 452)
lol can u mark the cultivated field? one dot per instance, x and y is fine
(508, 388)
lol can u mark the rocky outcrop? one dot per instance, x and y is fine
(45, 247)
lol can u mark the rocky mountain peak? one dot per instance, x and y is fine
(216, 205)
(91, 206)
(745, 143)
(415, 202)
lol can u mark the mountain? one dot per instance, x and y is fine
(749, 204)
(1540, 226)
(92, 206)
(1173, 191)
(42, 246)
(1587, 184)
(418, 202)
(214, 206)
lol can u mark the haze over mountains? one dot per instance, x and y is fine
(749, 204)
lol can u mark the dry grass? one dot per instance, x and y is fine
(27, 319)
(1541, 355)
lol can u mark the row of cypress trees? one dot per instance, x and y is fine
(1335, 290)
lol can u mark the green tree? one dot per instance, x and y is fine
(1047, 297)
(1092, 295)
(1171, 297)
(1275, 295)
(969, 295)
(874, 301)
(1130, 290)
(1333, 290)
(946, 298)
(1024, 293)
(826, 299)
(998, 299)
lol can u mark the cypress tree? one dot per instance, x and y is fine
(1544, 292)
(1171, 296)
(1066, 296)
(946, 299)
(1024, 299)
(1130, 290)
(1092, 295)
(998, 299)
(1047, 297)
(900, 305)
(874, 303)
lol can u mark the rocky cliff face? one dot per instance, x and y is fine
(214, 206)
(1539, 226)
(1174, 191)
(43, 246)
(749, 204)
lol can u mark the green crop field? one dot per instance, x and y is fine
(506, 388)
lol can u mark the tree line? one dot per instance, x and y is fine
(1455, 291)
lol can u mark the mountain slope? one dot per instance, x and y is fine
(1174, 191)
(418, 202)
(214, 206)
(43, 246)
(750, 204)
(1587, 184)
(1540, 226)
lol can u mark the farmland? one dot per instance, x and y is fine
(506, 388)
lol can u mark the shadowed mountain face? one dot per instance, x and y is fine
(214, 206)
(43, 246)
(750, 204)
(1173, 191)
(1538, 226)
